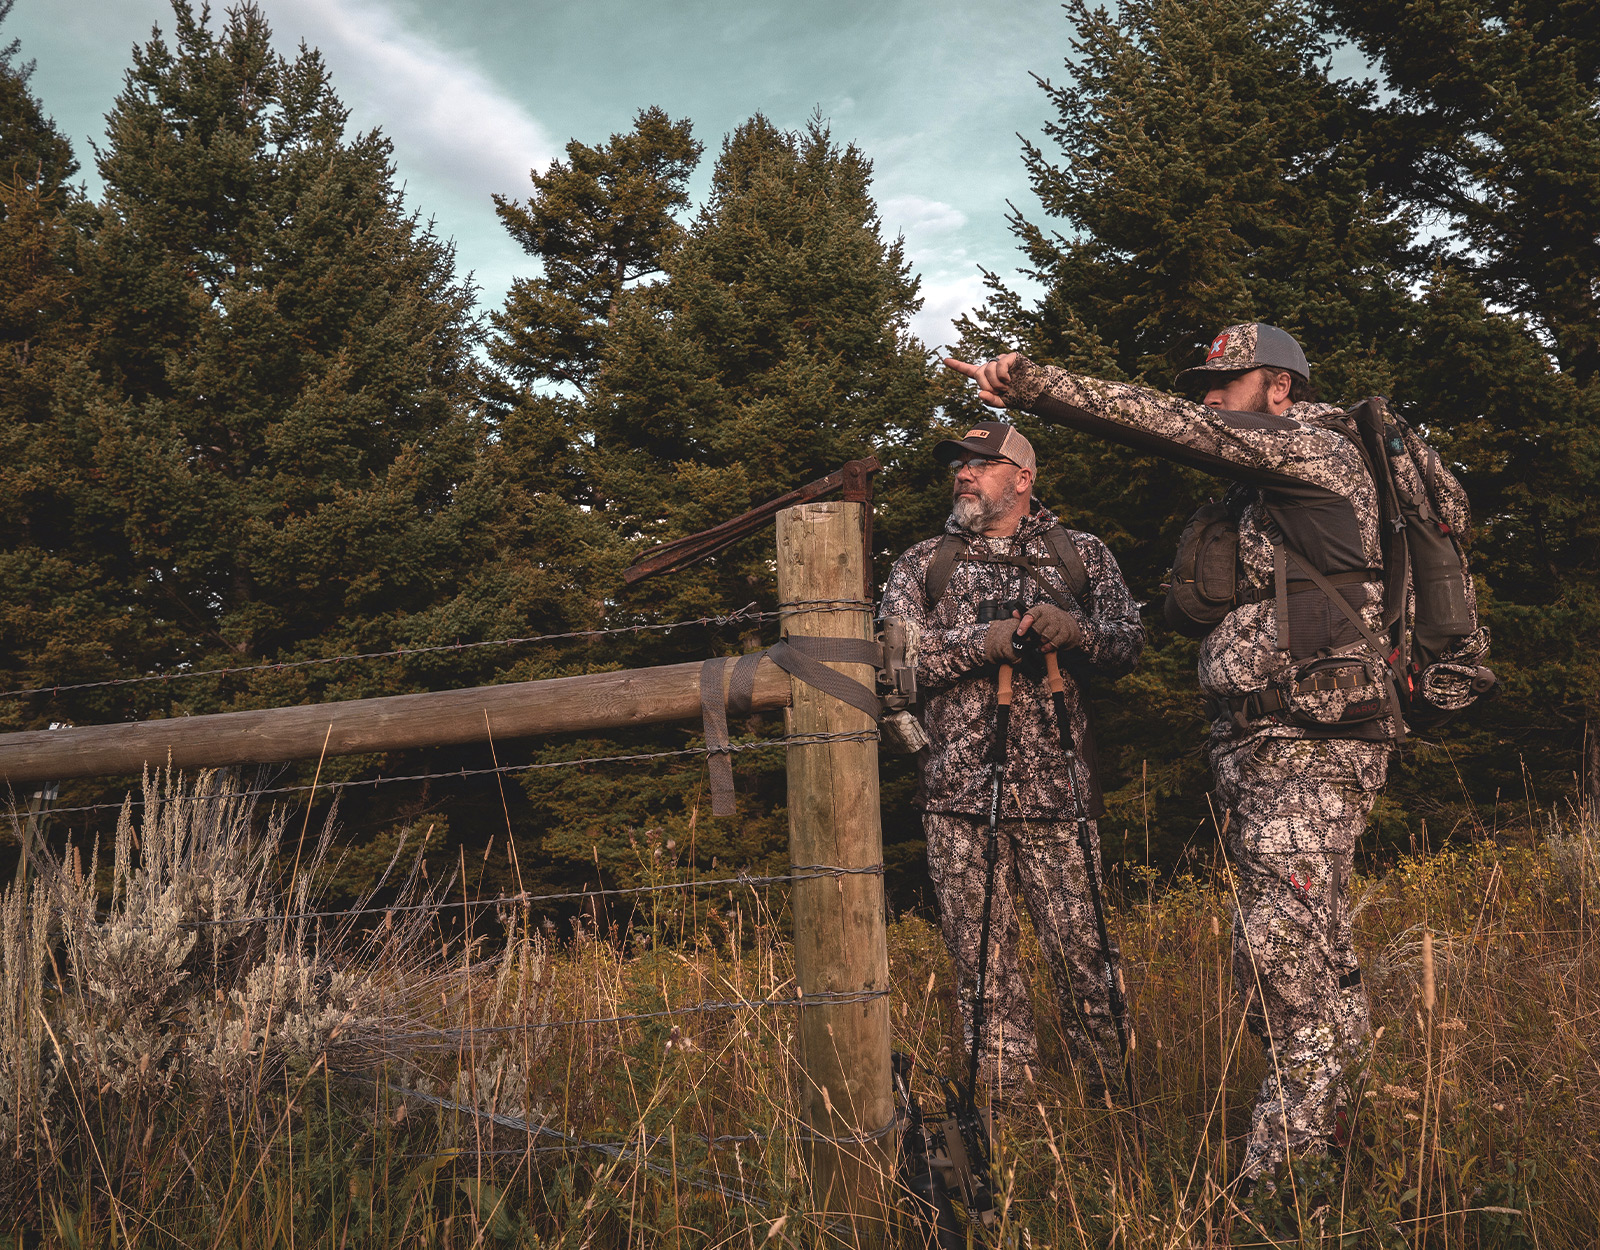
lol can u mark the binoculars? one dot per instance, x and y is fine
(997, 609)
(1002, 610)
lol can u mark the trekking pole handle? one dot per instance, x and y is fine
(1052, 672)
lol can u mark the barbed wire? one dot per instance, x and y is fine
(797, 872)
(449, 1038)
(805, 607)
(741, 615)
(619, 1152)
(749, 614)
(765, 743)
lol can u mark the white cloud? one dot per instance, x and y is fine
(944, 298)
(919, 218)
(951, 283)
(447, 118)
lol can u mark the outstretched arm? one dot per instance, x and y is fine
(1276, 452)
(993, 379)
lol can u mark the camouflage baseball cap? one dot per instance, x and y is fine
(1250, 346)
(994, 439)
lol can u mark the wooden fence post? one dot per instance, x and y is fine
(839, 938)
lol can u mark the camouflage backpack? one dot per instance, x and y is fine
(1430, 635)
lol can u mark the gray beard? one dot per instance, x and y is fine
(974, 513)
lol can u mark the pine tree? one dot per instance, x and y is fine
(276, 389)
(269, 442)
(44, 564)
(773, 348)
(31, 148)
(1492, 125)
(777, 349)
(597, 224)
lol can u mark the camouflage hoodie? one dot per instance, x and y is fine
(958, 685)
(1311, 483)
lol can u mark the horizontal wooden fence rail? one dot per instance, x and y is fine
(594, 701)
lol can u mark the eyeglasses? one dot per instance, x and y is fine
(976, 463)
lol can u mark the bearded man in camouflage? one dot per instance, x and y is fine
(1000, 545)
(1296, 799)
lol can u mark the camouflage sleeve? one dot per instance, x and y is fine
(1113, 636)
(944, 654)
(1258, 448)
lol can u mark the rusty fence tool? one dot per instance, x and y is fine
(854, 479)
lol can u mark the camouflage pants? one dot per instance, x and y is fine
(1296, 808)
(1041, 861)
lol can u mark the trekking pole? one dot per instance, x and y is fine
(962, 1104)
(1113, 969)
(991, 858)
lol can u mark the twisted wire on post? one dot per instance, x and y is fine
(849, 1139)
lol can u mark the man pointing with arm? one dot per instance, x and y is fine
(1298, 794)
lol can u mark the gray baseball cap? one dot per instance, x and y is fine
(1250, 346)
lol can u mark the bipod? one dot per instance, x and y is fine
(1116, 989)
(926, 1170)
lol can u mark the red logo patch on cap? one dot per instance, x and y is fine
(1218, 346)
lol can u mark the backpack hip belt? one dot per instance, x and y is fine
(1276, 704)
(1356, 577)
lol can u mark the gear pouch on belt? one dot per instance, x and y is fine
(1205, 572)
(1336, 690)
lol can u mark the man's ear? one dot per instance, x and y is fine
(1282, 384)
(1025, 482)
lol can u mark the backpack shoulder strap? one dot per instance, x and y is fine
(951, 547)
(1073, 569)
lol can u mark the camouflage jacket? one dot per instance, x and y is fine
(1311, 484)
(958, 685)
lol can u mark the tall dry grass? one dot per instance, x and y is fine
(182, 1066)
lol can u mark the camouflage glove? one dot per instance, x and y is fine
(1057, 628)
(1000, 642)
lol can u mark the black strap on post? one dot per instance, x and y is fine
(719, 751)
(802, 658)
(805, 659)
(742, 688)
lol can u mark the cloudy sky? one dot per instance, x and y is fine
(475, 92)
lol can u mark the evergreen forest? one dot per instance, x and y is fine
(254, 416)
